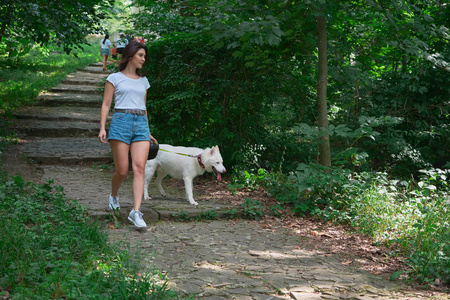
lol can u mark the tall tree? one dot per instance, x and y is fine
(324, 145)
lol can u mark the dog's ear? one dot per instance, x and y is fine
(214, 149)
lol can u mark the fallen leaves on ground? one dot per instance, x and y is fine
(353, 249)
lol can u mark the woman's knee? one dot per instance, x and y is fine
(139, 168)
(121, 173)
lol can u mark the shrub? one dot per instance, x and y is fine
(50, 248)
(253, 209)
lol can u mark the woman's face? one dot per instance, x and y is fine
(138, 59)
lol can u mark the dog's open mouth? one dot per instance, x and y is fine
(219, 176)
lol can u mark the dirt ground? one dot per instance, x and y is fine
(354, 249)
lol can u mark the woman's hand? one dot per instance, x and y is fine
(102, 136)
(106, 104)
(152, 139)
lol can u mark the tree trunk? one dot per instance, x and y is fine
(324, 146)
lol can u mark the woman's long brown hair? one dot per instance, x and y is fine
(128, 53)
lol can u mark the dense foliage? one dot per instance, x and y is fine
(51, 249)
(243, 75)
(66, 23)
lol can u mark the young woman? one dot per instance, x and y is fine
(105, 48)
(129, 131)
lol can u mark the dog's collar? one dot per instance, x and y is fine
(199, 159)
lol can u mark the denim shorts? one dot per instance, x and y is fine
(104, 51)
(129, 128)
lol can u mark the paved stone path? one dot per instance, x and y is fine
(209, 260)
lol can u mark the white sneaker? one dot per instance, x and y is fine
(114, 202)
(136, 218)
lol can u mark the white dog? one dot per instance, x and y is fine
(183, 163)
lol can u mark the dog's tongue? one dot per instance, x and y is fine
(218, 174)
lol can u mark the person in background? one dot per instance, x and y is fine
(114, 51)
(129, 131)
(105, 48)
(121, 43)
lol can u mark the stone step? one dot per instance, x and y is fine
(59, 113)
(100, 64)
(165, 209)
(69, 99)
(79, 89)
(45, 128)
(83, 78)
(94, 70)
(82, 81)
(96, 64)
(66, 150)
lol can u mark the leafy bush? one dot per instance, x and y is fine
(248, 180)
(194, 100)
(207, 215)
(311, 188)
(413, 215)
(50, 248)
(253, 209)
(419, 97)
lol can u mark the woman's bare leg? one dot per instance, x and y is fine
(139, 155)
(105, 61)
(120, 155)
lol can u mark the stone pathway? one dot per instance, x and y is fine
(209, 260)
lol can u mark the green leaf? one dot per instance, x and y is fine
(273, 40)
(396, 275)
(431, 187)
(238, 54)
(218, 45)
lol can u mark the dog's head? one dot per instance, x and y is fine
(213, 162)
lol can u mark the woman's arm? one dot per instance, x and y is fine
(106, 105)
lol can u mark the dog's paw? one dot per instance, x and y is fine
(193, 202)
(147, 198)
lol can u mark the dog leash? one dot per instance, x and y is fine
(199, 157)
(184, 154)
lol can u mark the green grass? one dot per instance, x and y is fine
(50, 248)
(41, 69)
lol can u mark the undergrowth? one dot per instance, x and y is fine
(51, 249)
(412, 216)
